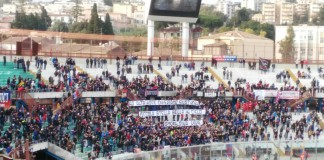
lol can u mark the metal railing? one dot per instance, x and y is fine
(265, 150)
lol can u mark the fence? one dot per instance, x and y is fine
(263, 150)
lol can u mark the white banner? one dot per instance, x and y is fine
(163, 102)
(167, 93)
(210, 94)
(271, 93)
(172, 112)
(259, 94)
(200, 93)
(268, 93)
(289, 95)
(183, 123)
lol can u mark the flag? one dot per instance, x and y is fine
(21, 84)
(277, 97)
(58, 106)
(264, 64)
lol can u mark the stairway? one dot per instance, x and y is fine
(294, 78)
(25, 100)
(131, 96)
(163, 76)
(219, 79)
(80, 70)
(300, 100)
(20, 103)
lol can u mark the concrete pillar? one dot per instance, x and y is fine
(150, 38)
(185, 39)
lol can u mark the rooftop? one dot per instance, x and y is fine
(234, 34)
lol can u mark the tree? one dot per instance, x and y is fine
(249, 30)
(107, 26)
(78, 27)
(108, 2)
(209, 18)
(76, 10)
(23, 21)
(95, 24)
(252, 24)
(269, 29)
(263, 33)
(33, 22)
(210, 22)
(287, 47)
(223, 29)
(239, 17)
(18, 22)
(59, 26)
(141, 31)
(45, 20)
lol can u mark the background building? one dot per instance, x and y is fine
(239, 43)
(309, 41)
(286, 13)
(269, 13)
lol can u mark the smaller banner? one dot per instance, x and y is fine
(210, 93)
(183, 123)
(172, 112)
(200, 93)
(264, 64)
(259, 94)
(289, 95)
(163, 103)
(149, 92)
(225, 58)
(5, 99)
(167, 93)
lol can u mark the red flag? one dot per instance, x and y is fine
(277, 98)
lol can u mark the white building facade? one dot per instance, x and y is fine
(309, 41)
(226, 7)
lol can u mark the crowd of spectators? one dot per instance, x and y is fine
(111, 127)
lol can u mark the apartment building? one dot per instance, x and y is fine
(255, 5)
(123, 8)
(286, 13)
(269, 13)
(314, 9)
(226, 7)
(258, 17)
(309, 41)
(139, 18)
(301, 9)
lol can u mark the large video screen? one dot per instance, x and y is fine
(178, 8)
(176, 5)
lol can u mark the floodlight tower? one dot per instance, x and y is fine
(183, 11)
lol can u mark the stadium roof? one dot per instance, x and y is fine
(35, 33)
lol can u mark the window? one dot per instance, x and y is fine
(321, 51)
(302, 50)
(322, 37)
(310, 35)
